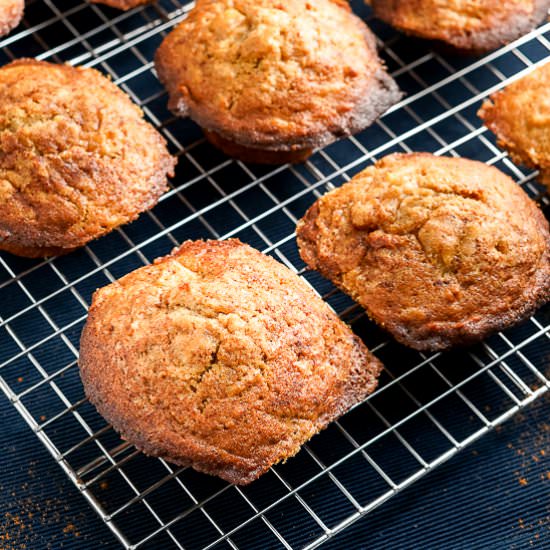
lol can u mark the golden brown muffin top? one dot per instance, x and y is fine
(439, 251)
(477, 25)
(519, 116)
(11, 12)
(78, 159)
(272, 74)
(220, 357)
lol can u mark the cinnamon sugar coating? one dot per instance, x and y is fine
(519, 116)
(439, 251)
(474, 26)
(78, 159)
(11, 13)
(269, 81)
(220, 358)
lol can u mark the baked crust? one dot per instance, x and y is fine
(124, 5)
(11, 13)
(475, 26)
(220, 358)
(254, 155)
(275, 76)
(439, 251)
(519, 116)
(78, 159)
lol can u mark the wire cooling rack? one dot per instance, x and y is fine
(428, 407)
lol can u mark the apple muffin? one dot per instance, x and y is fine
(439, 251)
(269, 81)
(519, 116)
(474, 26)
(78, 159)
(220, 358)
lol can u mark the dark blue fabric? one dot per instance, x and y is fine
(494, 494)
(39, 506)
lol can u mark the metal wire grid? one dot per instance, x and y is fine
(429, 406)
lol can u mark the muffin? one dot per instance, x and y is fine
(78, 159)
(520, 118)
(123, 4)
(474, 26)
(439, 251)
(11, 13)
(220, 358)
(269, 81)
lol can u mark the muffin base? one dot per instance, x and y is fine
(253, 155)
(36, 252)
(123, 5)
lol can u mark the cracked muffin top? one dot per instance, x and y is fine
(11, 12)
(221, 358)
(469, 25)
(275, 76)
(439, 251)
(519, 116)
(78, 159)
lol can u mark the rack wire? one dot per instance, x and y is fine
(428, 406)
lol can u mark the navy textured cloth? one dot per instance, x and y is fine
(493, 494)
